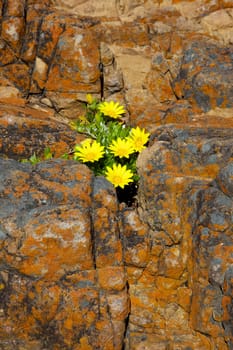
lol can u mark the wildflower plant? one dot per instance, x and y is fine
(111, 147)
(34, 159)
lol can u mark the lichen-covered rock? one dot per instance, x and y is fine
(149, 64)
(26, 130)
(63, 283)
(189, 221)
(205, 76)
(211, 308)
(76, 271)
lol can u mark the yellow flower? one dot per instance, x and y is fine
(88, 151)
(89, 99)
(138, 138)
(84, 143)
(119, 175)
(111, 109)
(121, 148)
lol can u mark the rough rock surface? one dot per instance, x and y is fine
(63, 283)
(78, 271)
(186, 201)
(26, 130)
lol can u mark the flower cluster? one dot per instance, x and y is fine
(112, 147)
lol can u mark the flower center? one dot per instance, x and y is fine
(91, 155)
(138, 141)
(117, 179)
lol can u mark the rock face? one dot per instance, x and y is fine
(78, 270)
(203, 67)
(186, 201)
(62, 273)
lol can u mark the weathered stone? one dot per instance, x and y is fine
(113, 81)
(7, 55)
(39, 75)
(204, 81)
(225, 179)
(135, 239)
(72, 260)
(49, 253)
(10, 94)
(179, 179)
(219, 24)
(213, 254)
(108, 249)
(29, 46)
(51, 29)
(12, 30)
(159, 85)
(131, 9)
(86, 8)
(25, 131)
(191, 9)
(79, 71)
(106, 54)
(14, 8)
(18, 74)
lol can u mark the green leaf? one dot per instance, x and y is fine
(47, 153)
(65, 156)
(34, 159)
